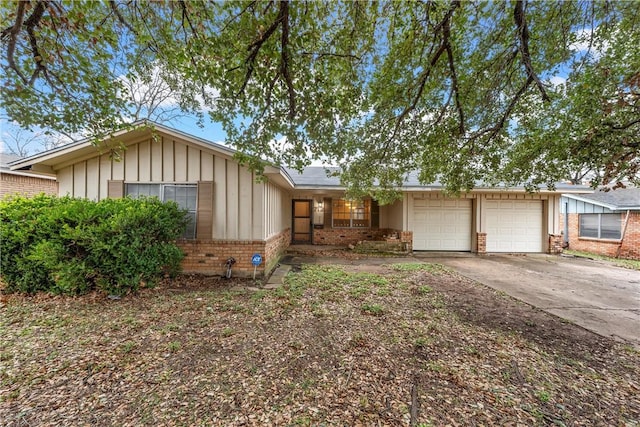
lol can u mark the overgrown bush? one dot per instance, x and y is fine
(70, 246)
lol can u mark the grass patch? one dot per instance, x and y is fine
(411, 267)
(372, 309)
(626, 263)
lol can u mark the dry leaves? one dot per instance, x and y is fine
(438, 350)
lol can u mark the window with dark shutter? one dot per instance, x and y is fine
(327, 212)
(115, 189)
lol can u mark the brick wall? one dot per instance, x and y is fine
(555, 244)
(407, 238)
(347, 236)
(481, 243)
(26, 185)
(629, 248)
(274, 247)
(210, 256)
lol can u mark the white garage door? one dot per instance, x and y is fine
(514, 225)
(441, 224)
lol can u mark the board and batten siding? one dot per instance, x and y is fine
(277, 210)
(240, 204)
(581, 207)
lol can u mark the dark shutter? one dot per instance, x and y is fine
(115, 189)
(327, 212)
(204, 214)
(375, 214)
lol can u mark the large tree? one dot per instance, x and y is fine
(457, 91)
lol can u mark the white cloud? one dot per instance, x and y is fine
(582, 42)
(557, 81)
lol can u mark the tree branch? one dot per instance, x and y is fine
(424, 76)
(30, 24)
(434, 60)
(185, 16)
(11, 33)
(335, 55)
(284, 58)
(505, 116)
(523, 36)
(254, 48)
(454, 77)
(114, 8)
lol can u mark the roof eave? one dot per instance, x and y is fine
(594, 202)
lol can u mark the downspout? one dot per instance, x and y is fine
(566, 225)
(624, 231)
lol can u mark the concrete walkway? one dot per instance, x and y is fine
(277, 277)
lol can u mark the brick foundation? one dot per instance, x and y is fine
(347, 236)
(26, 185)
(555, 244)
(481, 243)
(210, 256)
(406, 237)
(274, 247)
(351, 236)
(629, 248)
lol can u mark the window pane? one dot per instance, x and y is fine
(169, 193)
(341, 213)
(361, 213)
(301, 209)
(351, 213)
(190, 232)
(186, 198)
(137, 190)
(610, 226)
(589, 225)
(192, 196)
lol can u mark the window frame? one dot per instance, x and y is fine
(356, 209)
(599, 227)
(193, 213)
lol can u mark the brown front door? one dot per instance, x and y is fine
(302, 229)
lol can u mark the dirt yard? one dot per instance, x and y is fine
(399, 344)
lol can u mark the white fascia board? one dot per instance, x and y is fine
(28, 174)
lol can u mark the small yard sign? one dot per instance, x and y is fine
(256, 260)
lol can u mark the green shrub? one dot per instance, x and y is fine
(70, 246)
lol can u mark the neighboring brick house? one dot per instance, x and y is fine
(26, 183)
(235, 215)
(604, 222)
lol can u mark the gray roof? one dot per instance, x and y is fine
(618, 199)
(6, 158)
(316, 176)
(321, 177)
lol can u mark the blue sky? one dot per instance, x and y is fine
(10, 132)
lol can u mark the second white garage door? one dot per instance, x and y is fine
(514, 225)
(441, 224)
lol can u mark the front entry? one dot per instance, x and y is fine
(301, 227)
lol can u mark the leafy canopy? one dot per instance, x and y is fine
(454, 91)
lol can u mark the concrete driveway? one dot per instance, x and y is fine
(593, 294)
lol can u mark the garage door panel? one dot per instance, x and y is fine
(442, 224)
(514, 225)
